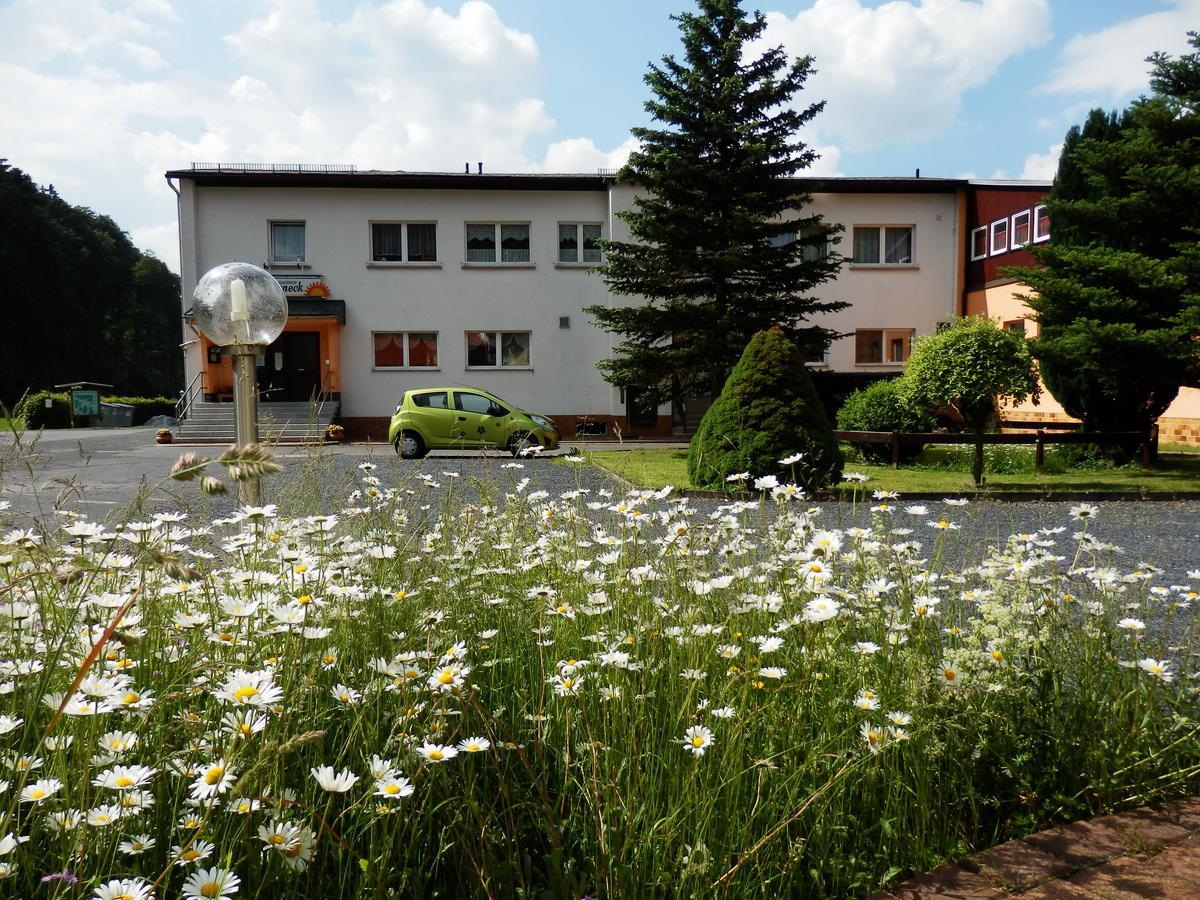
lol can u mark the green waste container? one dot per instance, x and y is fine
(116, 415)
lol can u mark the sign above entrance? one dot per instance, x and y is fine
(303, 286)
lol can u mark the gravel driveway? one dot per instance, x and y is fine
(99, 472)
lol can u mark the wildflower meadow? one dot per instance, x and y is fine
(587, 694)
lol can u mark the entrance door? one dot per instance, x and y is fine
(291, 367)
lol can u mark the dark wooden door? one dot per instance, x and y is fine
(291, 367)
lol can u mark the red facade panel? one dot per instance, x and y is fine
(1010, 218)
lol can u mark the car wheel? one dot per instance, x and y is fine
(520, 441)
(410, 446)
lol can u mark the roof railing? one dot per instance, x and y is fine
(285, 168)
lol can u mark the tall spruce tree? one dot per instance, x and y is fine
(1118, 289)
(721, 249)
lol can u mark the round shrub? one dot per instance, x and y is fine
(879, 407)
(768, 410)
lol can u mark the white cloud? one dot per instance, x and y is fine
(401, 84)
(161, 240)
(1042, 166)
(1111, 64)
(898, 72)
(582, 155)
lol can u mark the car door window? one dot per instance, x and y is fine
(432, 400)
(474, 403)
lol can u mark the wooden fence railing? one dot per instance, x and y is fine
(1147, 443)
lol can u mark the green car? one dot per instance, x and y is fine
(463, 418)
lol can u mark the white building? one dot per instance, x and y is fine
(399, 280)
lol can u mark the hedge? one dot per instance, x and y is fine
(32, 408)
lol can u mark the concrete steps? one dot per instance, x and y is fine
(278, 423)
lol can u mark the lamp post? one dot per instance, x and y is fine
(241, 307)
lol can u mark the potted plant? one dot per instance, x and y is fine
(163, 436)
(335, 433)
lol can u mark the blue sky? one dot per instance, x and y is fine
(102, 96)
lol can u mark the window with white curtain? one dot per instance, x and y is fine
(579, 242)
(512, 239)
(287, 242)
(883, 245)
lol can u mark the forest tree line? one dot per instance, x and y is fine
(81, 302)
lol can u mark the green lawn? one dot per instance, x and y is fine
(651, 468)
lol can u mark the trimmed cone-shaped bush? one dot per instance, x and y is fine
(768, 410)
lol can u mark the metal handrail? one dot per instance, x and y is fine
(324, 392)
(187, 397)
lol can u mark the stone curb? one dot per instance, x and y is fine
(1153, 851)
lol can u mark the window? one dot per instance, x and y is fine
(1041, 224)
(513, 240)
(979, 243)
(1020, 229)
(477, 403)
(497, 349)
(999, 236)
(815, 240)
(287, 242)
(1015, 325)
(403, 242)
(432, 400)
(405, 349)
(876, 346)
(579, 242)
(895, 242)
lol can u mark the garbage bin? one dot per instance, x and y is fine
(116, 415)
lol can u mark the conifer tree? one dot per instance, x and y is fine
(767, 412)
(721, 246)
(1118, 289)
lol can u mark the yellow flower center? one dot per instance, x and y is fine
(698, 741)
(243, 694)
(302, 568)
(447, 676)
(214, 775)
(392, 789)
(190, 855)
(950, 674)
(37, 793)
(123, 782)
(304, 599)
(436, 755)
(276, 840)
(212, 889)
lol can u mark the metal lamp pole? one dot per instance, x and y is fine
(245, 390)
(245, 412)
(242, 307)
